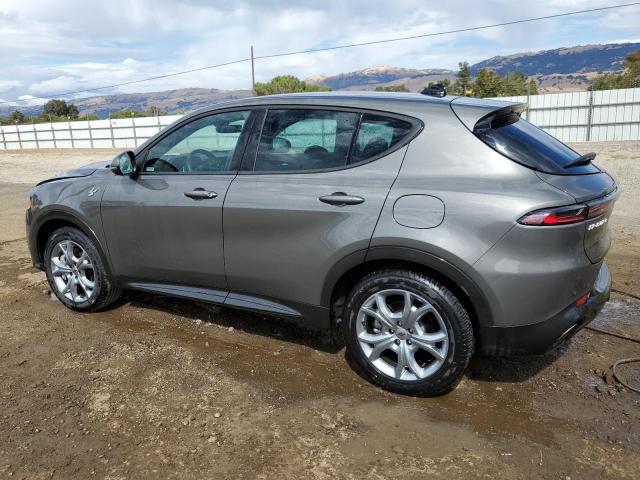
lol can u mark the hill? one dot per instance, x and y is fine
(171, 101)
(561, 69)
(573, 60)
(374, 76)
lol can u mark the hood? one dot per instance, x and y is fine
(83, 171)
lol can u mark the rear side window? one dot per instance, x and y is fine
(304, 139)
(313, 139)
(530, 146)
(377, 135)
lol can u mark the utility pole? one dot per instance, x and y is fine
(253, 73)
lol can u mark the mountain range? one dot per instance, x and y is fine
(561, 69)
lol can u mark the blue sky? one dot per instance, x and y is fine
(54, 46)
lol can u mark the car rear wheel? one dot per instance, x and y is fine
(76, 272)
(407, 333)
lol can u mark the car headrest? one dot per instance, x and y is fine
(374, 147)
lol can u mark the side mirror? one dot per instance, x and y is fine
(124, 164)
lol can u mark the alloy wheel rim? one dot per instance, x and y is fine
(402, 335)
(73, 271)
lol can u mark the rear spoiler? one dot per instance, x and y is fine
(502, 116)
(476, 113)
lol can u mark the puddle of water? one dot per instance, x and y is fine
(620, 315)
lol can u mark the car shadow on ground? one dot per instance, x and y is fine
(244, 321)
(481, 368)
(511, 369)
(493, 369)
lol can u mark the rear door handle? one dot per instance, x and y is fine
(341, 199)
(200, 194)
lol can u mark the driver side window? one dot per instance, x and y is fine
(205, 145)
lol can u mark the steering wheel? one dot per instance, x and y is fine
(196, 162)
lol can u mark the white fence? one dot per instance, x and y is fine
(600, 116)
(605, 115)
(112, 133)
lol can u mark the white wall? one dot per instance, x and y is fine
(114, 133)
(613, 114)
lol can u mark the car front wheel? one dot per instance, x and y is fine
(76, 272)
(407, 332)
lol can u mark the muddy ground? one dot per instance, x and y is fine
(164, 388)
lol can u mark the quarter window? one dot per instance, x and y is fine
(376, 135)
(205, 145)
(305, 139)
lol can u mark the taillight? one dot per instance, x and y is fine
(556, 216)
(601, 208)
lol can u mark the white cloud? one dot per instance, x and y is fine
(30, 100)
(52, 47)
(8, 84)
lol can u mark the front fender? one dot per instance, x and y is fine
(73, 202)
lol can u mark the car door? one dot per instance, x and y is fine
(311, 194)
(165, 226)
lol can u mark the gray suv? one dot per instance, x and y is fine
(423, 229)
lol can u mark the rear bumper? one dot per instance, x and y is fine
(542, 337)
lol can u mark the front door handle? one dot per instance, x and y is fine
(200, 194)
(341, 199)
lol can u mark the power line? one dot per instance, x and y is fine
(324, 49)
(448, 32)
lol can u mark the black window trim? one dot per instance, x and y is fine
(237, 160)
(251, 150)
(250, 156)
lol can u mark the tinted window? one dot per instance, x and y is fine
(525, 143)
(377, 135)
(305, 139)
(203, 145)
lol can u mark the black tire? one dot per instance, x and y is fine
(105, 291)
(453, 314)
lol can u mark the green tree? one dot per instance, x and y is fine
(155, 111)
(16, 116)
(488, 84)
(631, 64)
(532, 88)
(629, 78)
(287, 84)
(60, 108)
(463, 80)
(606, 81)
(72, 111)
(392, 88)
(514, 83)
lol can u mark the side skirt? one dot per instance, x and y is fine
(308, 316)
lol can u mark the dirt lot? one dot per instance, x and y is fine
(163, 388)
